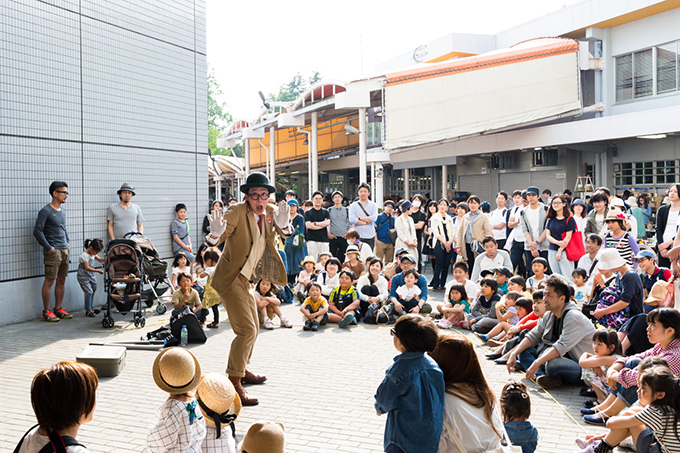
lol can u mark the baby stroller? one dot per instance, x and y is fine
(155, 272)
(123, 274)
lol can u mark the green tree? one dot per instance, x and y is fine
(294, 88)
(218, 117)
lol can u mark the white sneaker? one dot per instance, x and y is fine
(444, 323)
(285, 323)
(268, 324)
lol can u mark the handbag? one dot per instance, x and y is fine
(375, 314)
(298, 240)
(509, 448)
(476, 247)
(609, 296)
(392, 234)
(575, 248)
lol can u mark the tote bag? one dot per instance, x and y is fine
(575, 248)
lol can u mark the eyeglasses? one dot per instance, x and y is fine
(62, 191)
(256, 196)
(393, 332)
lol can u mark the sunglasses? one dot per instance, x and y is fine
(393, 332)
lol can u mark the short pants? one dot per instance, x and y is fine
(56, 263)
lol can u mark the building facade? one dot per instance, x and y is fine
(97, 93)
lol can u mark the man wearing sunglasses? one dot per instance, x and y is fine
(50, 232)
(248, 230)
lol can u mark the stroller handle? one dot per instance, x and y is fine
(129, 234)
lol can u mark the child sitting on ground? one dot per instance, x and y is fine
(502, 275)
(581, 288)
(323, 259)
(455, 309)
(220, 405)
(365, 250)
(518, 284)
(305, 276)
(353, 262)
(408, 294)
(86, 277)
(329, 278)
(180, 266)
(211, 300)
(461, 277)
(516, 409)
(178, 424)
(539, 266)
(412, 392)
(315, 308)
(63, 398)
(509, 304)
(344, 301)
(516, 333)
(606, 351)
(484, 309)
(268, 305)
(186, 296)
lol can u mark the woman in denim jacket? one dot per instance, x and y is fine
(412, 392)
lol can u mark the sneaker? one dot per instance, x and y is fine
(48, 316)
(308, 325)
(548, 382)
(63, 314)
(268, 324)
(285, 323)
(589, 448)
(493, 343)
(596, 419)
(464, 325)
(588, 411)
(347, 320)
(300, 296)
(315, 326)
(582, 443)
(444, 323)
(482, 337)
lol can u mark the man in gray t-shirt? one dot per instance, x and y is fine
(124, 217)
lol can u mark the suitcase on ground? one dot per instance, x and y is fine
(106, 360)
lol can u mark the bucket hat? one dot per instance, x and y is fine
(218, 400)
(579, 202)
(611, 259)
(257, 179)
(405, 205)
(632, 202)
(618, 202)
(308, 259)
(126, 186)
(176, 371)
(263, 437)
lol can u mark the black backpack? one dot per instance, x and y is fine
(57, 443)
(187, 318)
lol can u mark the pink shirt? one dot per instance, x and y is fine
(671, 354)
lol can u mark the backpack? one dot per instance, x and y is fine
(57, 443)
(163, 334)
(187, 318)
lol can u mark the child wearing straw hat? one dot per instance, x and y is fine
(220, 406)
(178, 425)
(308, 264)
(263, 437)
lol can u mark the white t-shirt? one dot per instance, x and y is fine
(406, 293)
(581, 294)
(532, 215)
(515, 232)
(498, 216)
(470, 426)
(35, 441)
(671, 226)
(470, 289)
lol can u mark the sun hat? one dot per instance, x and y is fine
(293, 201)
(579, 202)
(263, 437)
(126, 186)
(657, 294)
(503, 270)
(352, 249)
(611, 259)
(308, 259)
(632, 202)
(645, 254)
(534, 190)
(176, 371)
(325, 254)
(405, 205)
(409, 257)
(615, 214)
(257, 179)
(618, 202)
(218, 400)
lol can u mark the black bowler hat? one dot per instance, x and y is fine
(257, 179)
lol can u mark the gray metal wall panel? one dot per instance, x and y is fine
(547, 179)
(514, 181)
(479, 185)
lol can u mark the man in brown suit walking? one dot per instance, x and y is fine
(248, 230)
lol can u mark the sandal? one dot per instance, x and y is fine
(90, 314)
(213, 325)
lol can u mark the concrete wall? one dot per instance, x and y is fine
(97, 93)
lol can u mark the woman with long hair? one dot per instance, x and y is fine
(428, 243)
(666, 224)
(442, 240)
(406, 231)
(471, 412)
(560, 222)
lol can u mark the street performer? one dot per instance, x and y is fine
(248, 231)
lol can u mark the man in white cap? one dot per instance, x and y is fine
(124, 217)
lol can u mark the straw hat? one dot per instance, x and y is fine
(611, 259)
(615, 214)
(263, 437)
(176, 371)
(308, 259)
(218, 400)
(352, 249)
(657, 294)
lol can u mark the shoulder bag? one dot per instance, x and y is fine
(375, 314)
(575, 248)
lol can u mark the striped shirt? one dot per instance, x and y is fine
(660, 420)
(625, 245)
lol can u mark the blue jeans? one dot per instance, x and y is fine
(627, 395)
(89, 301)
(560, 367)
(442, 262)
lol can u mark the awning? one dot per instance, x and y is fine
(533, 80)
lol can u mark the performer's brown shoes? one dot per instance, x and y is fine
(252, 378)
(246, 400)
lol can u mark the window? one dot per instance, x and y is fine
(643, 73)
(650, 173)
(666, 68)
(624, 77)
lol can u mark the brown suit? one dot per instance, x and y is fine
(234, 288)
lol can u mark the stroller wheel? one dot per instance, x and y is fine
(107, 322)
(136, 322)
(160, 309)
(142, 322)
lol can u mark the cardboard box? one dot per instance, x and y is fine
(106, 360)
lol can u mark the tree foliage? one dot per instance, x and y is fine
(294, 88)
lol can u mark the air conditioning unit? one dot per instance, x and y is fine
(501, 162)
(544, 158)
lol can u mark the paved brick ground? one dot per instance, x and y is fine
(320, 385)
